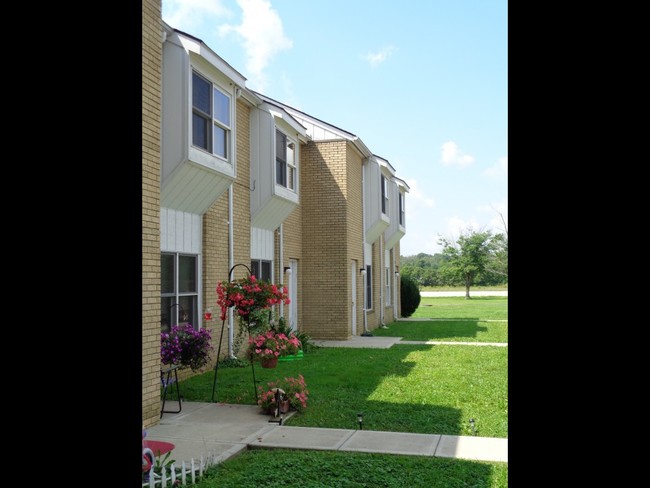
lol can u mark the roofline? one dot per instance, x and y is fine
(356, 140)
(238, 79)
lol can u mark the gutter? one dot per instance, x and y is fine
(231, 263)
(363, 229)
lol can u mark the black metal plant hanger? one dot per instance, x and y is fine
(248, 326)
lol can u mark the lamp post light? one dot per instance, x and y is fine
(360, 420)
(471, 424)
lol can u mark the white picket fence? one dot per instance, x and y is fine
(188, 473)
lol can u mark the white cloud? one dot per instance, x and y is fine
(416, 195)
(500, 168)
(456, 227)
(452, 155)
(186, 15)
(263, 35)
(376, 58)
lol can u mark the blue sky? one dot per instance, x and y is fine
(423, 83)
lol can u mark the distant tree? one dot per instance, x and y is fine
(423, 269)
(498, 264)
(469, 256)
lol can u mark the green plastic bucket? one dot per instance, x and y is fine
(292, 357)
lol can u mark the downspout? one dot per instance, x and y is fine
(395, 289)
(231, 263)
(382, 278)
(363, 231)
(281, 267)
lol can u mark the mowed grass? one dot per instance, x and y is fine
(475, 308)
(432, 389)
(447, 331)
(279, 468)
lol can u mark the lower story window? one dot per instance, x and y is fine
(179, 290)
(261, 269)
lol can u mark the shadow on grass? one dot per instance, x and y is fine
(440, 329)
(343, 382)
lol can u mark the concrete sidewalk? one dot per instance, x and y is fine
(219, 431)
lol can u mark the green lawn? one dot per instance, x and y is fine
(279, 468)
(447, 330)
(433, 389)
(475, 308)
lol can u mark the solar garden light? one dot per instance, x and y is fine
(471, 424)
(360, 420)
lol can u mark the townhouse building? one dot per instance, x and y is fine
(234, 183)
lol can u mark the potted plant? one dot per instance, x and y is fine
(296, 392)
(270, 345)
(249, 294)
(268, 399)
(185, 347)
(293, 395)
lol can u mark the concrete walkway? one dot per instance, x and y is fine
(219, 431)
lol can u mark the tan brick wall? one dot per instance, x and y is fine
(216, 242)
(293, 244)
(324, 194)
(151, 128)
(355, 228)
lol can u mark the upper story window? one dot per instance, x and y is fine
(210, 117)
(401, 209)
(384, 195)
(285, 161)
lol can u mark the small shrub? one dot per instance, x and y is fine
(231, 362)
(410, 296)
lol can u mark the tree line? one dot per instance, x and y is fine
(476, 258)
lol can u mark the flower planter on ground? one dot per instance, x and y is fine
(292, 357)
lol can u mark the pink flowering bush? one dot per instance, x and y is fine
(271, 344)
(185, 347)
(295, 390)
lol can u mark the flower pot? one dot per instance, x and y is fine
(269, 363)
(292, 357)
(284, 406)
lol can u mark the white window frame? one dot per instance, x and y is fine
(213, 120)
(287, 157)
(260, 265)
(388, 285)
(385, 200)
(180, 314)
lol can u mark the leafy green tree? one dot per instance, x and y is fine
(499, 260)
(469, 256)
